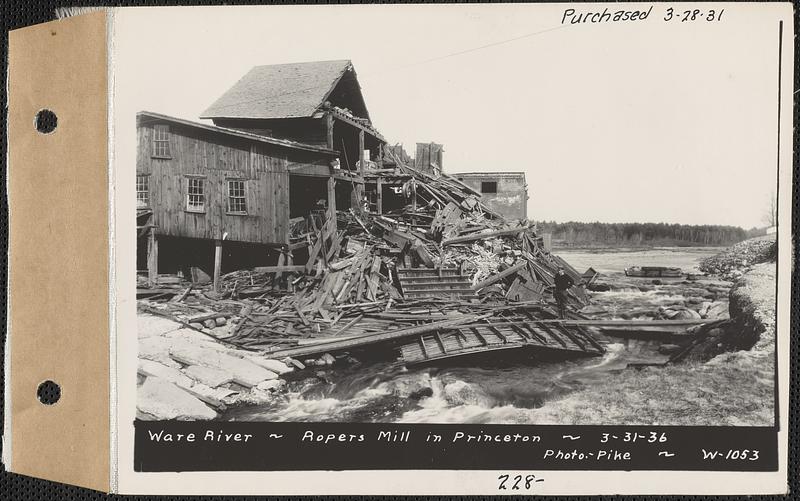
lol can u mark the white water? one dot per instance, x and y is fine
(484, 391)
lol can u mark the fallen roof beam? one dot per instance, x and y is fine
(483, 235)
(503, 274)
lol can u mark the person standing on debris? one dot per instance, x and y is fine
(563, 282)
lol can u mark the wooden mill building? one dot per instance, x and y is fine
(202, 188)
(231, 195)
(316, 103)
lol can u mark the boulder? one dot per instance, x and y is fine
(669, 349)
(271, 385)
(156, 348)
(275, 366)
(220, 321)
(150, 368)
(152, 325)
(159, 399)
(209, 376)
(683, 314)
(244, 372)
(718, 309)
(218, 398)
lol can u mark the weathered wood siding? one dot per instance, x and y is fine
(303, 130)
(217, 158)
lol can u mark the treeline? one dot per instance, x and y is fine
(644, 234)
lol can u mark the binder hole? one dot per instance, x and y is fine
(48, 393)
(46, 121)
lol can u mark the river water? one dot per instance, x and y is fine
(481, 390)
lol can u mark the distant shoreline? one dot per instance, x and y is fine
(558, 247)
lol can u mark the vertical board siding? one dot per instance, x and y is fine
(217, 158)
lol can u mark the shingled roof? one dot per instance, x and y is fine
(286, 91)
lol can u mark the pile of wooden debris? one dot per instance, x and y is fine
(444, 266)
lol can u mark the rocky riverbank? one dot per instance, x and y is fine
(185, 374)
(731, 382)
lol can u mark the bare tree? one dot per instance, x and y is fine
(771, 214)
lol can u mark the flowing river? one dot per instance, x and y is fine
(487, 390)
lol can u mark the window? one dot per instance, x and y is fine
(142, 191)
(196, 195)
(237, 201)
(489, 187)
(161, 141)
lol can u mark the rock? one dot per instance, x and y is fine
(244, 372)
(421, 393)
(196, 325)
(210, 376)
(271, 385)
(695, 300)
(656, 282)
(328, 359)
(220, 321)
(669, 349)
(218, 398)
(150, 368)
(156, 348)
(292, 362)
(684, 314)
(152, 325)
(718, 309)
(271, 364)
(703, 311)
(210, 323)
(159, 399)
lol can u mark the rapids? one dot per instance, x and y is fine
(481, 390)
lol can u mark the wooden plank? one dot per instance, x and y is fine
(503, 274)
(152, 259)
(376, 338)
(217, 263)
(294, 268)
(484, 235)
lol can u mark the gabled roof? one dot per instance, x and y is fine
(286, 91)
(143, 115)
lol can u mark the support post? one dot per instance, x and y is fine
(329, 129)
(380, 156)
(379, 185)
(152, 258)
(361, 152)
(332, 200)
(217, 263)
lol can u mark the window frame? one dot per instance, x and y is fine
(161, 137)
(188, 207)
(484, 183)
(146, 191)
(229, 198)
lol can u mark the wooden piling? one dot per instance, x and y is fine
(217, 263)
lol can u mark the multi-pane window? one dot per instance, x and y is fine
(237, 201)
(142, 191)
(196, 194)
(161, 141)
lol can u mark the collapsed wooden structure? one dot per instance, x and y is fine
(335, 241)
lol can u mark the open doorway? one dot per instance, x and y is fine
(307, 194)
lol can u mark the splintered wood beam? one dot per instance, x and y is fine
(483, 235)
(361, 152)
(503, 274)
(280, 269)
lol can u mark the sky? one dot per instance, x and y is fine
(651, 121)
